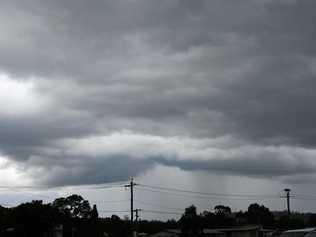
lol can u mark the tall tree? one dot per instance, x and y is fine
(257, 214)
(94, 213)
(73, 206)
(190, 222)
(223, 216)
(222, 210)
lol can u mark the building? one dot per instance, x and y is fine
(297, 232)
(243, 231)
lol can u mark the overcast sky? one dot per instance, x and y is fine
(214, 96)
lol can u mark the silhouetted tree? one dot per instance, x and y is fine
(223, 216)
(257, 214)
(222, 210)
(33, 219)
(312, 220)
(94, 213)
(190, 222)
(73, 206)
(94, 221)
(241, 218)
(208, 219)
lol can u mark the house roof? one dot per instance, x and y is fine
(212, 231)
(301, 230)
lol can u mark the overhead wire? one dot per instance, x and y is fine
(51, 187)
(110, 201)
(157, 205)
(206, 193)
(152, 188)
(162, 212)
(113, 211)
(190, 195)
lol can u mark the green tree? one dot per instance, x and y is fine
(34, 218)
(190, 222)
(208, 219)
(223, 216)
(94, 213)
(73, 206)
(257, 214)
(222, 210)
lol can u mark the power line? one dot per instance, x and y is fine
(163, 212)
(16, 188)
(302, 198)
(106, 187)
(113, 211)
(110, 201)
(208, 194)
(155, 205)
(170, 193)
(209, 197)
(149, 211)
(168, 190)
(85, 186)
(304, 195)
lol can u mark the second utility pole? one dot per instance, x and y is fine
(131, 185)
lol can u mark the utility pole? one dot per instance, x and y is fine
(131, 186)
(137, 210)
(137, 214)
(287, 193)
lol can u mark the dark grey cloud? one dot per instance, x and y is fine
(201, 70)
(93, 171)
(121, 155)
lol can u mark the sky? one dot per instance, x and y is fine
(212, 96)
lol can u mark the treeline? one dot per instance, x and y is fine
(219, 217)
(78, 218)
(256, 214)
(115, 226)
(37, 219)
(222, 216)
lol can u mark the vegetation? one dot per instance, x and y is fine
(75, 214)
(37, 219)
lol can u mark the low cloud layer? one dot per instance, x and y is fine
(118, 156)
(98, 92)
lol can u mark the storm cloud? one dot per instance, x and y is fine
(99, 91)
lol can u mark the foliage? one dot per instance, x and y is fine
(222, 210)
(73, 206)
(32, 219)
(190, 222)
(261, 215)
(36, 219)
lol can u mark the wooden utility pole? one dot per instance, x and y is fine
(131, 186)
(137, 214)
(137, 210)
(287, 193)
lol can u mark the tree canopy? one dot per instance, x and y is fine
(73, 206)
